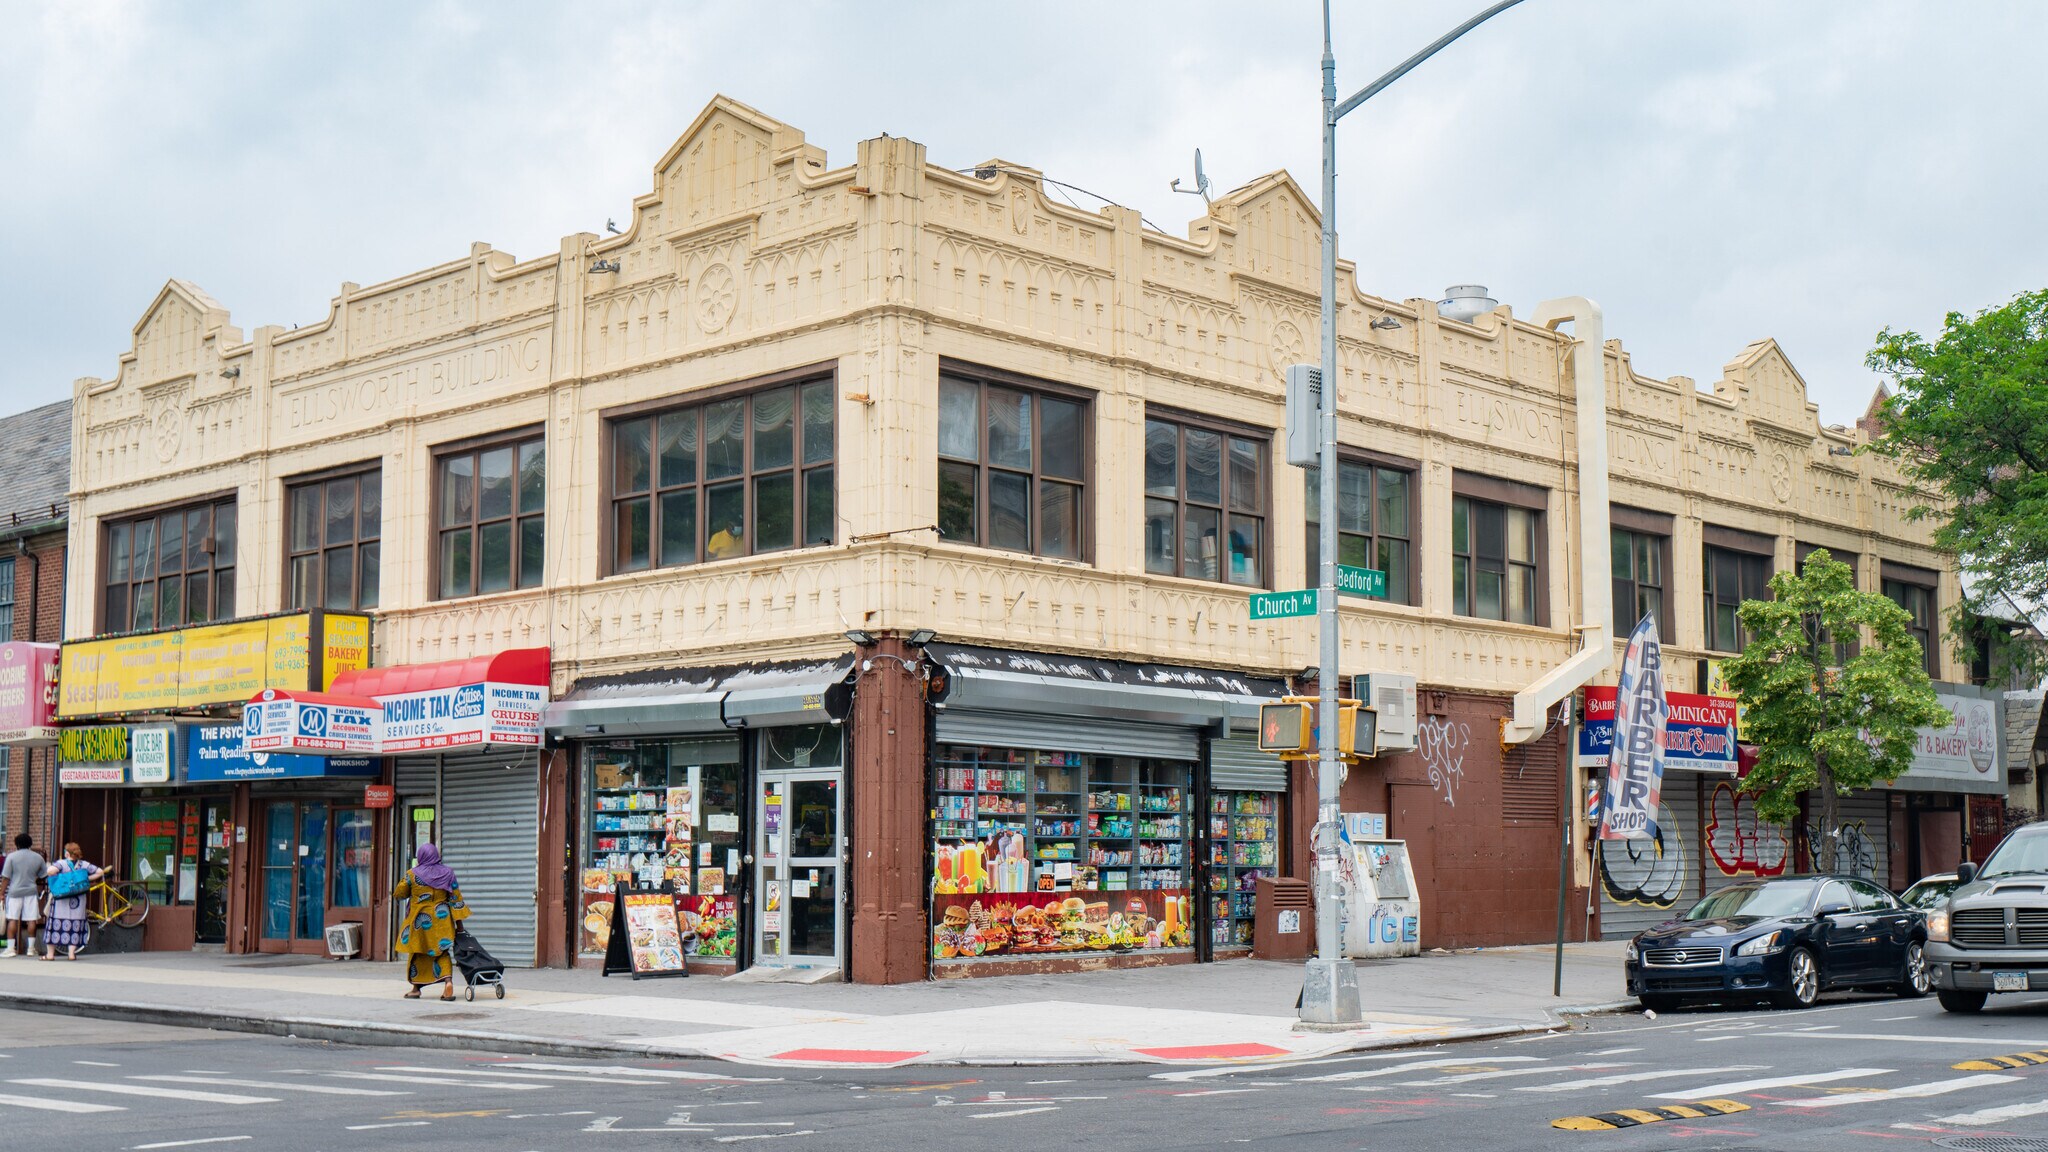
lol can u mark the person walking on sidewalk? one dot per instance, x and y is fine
(65, 925)
(426, 933)
(21, 878)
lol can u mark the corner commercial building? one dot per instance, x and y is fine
(730, 467)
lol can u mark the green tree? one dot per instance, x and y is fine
(1969, 420)
(1821, 722)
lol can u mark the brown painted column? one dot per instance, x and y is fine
(557, 856)
(889, 941)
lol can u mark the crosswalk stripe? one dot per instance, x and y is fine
(1995, 1115)
(276, 1085)
(1909, 1092)
(49, 1105)
(1772, 1082)
(1633, 1077)
(1417, 1066)
(606, 1072)
(1891, 1038)
(443, 1081)
(146, 1090)
(1539, 1070)
(548, 1076)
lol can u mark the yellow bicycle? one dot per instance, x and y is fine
(108, 901)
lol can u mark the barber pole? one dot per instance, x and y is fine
(1635, 770)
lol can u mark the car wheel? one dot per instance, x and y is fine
(1959, 1001)
(1655, 1003)
(1802, 981)
(1915, 981)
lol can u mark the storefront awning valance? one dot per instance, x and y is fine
(1007, 681)
(512, 666)
(487, 700)
(705, 699)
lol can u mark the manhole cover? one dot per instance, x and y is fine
(1992, 1144)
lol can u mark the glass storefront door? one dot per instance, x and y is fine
(214, 852)
(295, 859)
(797, 883)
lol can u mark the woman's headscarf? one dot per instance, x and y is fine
(431, 872)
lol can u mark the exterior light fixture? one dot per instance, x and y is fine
(921, 637)
(861, 637)
(1387, 324)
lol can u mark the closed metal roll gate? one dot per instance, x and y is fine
(1067, 734)
(1864, 847)
(490, 835)
(417, 777)
(1236, 764)
(1735, 844)
(1646, 882)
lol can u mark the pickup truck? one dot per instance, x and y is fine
(1991, 934)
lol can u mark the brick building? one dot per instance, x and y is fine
(35, 469)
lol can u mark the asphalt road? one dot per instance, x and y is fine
(1841, 1076)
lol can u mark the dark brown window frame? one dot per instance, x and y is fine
(1744, 548)
(984, 379)
(1895, 580)
(1227, 431)
(319, 551)
(155, 515)
(1411, 590)
(614, 502)
(1506, 494)
(474, 447)
(1625, 622)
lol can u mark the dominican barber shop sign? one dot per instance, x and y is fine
(1699, 731)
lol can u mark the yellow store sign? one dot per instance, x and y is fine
(211, 664)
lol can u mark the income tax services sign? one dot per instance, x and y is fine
(463, 715)
(317, 723)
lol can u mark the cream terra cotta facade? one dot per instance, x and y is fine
(751, 256)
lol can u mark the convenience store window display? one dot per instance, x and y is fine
(1244, 845)
(1040, 852)
(663, 811)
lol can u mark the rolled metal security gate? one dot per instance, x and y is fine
(488, 815)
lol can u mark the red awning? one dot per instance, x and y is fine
(513, 666)
(336, 699)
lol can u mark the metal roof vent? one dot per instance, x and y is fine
(1466, 302)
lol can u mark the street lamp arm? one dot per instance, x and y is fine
(1408, 65)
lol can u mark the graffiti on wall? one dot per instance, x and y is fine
(1442, 745)
(1649, 872)
(1741, 844)
(1855, 855)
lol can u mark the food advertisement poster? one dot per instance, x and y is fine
(1041, 923)
(597, 909)
(653, 931)
(710, 923)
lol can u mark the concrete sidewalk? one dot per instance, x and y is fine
(1202, 1013)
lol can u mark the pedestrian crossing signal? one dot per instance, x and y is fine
(1286, 728)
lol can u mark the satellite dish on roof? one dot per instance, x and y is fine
(1201, 187)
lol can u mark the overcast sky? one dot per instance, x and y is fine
(1712, 172)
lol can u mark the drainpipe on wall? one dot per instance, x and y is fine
(1596, 592)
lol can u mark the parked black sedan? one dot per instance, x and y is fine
(1787, 939)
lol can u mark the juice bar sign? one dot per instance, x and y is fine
(115, 755)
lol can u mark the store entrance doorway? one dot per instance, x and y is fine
(798, 910)
(294, 909)
(217, 832)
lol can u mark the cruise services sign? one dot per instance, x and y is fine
(311, 722)
(463, 715)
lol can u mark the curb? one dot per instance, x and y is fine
(378, 1034)
(1609, 1008)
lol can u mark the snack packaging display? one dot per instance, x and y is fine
(966, 925)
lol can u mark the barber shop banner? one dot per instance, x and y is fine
(1699, 731)
(1635, 770)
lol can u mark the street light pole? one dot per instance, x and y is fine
(1329, 993)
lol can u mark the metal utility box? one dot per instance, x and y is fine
(1283, 919)
(1382, 905)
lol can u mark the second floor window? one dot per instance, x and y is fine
(1639, 580)
(725, 478)
(1731, 578)
(1918, 599)
(334, 551)
(1373, 523)
(490, 533)
(1010, 468)
(170, 568)
(1495, 573)
(1205, 503)
(7, 600)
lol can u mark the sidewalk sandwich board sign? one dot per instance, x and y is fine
(646, 937)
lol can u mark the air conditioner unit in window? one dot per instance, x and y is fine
(1394, 696)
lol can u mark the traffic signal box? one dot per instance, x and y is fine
(1288, 729)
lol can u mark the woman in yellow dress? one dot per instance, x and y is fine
(426, 933)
